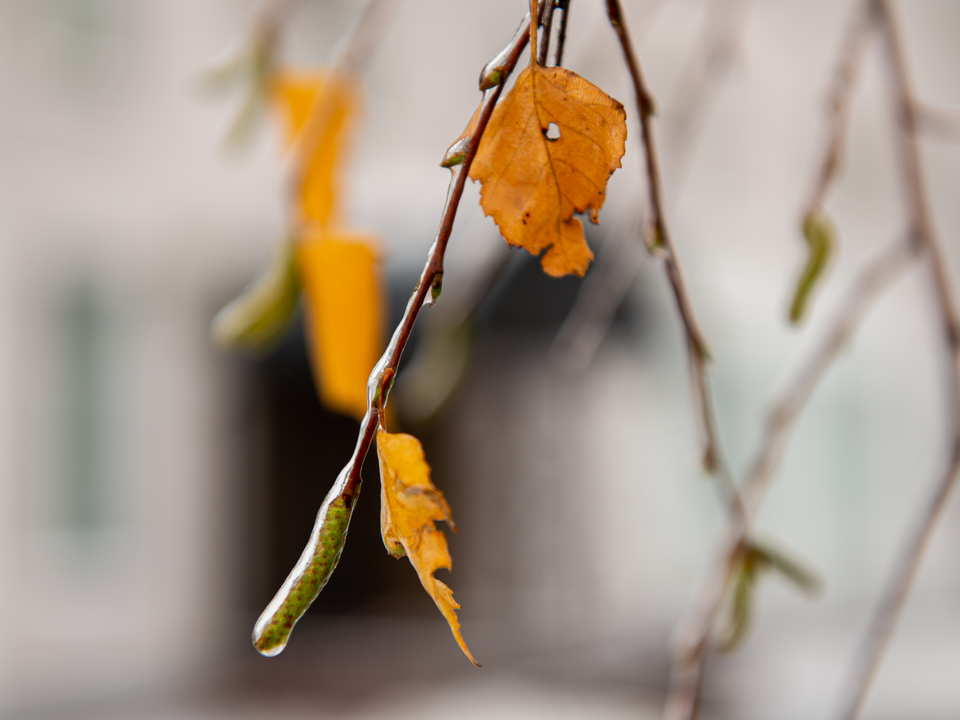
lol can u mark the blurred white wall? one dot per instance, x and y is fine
(123, 224)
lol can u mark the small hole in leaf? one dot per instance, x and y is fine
(552, 132)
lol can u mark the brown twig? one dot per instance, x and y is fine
(880, 628)
(353, 55)
(692, 642)
(662, 244)
(384, 372)
(692, 639)
(556, 57)
(546, 21)
(612, 276)
(841, 93)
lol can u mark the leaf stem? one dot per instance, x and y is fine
(547, 23)
(564, 7)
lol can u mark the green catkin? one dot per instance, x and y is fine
(307, 578)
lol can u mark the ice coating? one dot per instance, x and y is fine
(306, 580)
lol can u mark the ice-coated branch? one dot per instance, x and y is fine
(322, 552)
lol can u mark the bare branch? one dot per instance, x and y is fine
(660, 241)
(874, 643)
(350, 58)
(615, 270)
(858, 34)
(546, 20)
(556, 57)
(694, 631)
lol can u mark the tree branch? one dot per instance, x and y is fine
(692, 642)
(860, 30)
(322, 552)
(557, 57)
(614, 271)
(662, 244)
(874, 643)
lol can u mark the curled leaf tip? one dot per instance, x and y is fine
(796, 571)
(818, 230)
(410, 505)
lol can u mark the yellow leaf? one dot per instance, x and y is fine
(296, 94)
(534, 180)
(409, 506)
(338, 273)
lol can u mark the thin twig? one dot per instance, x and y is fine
(383, 373)
(349, 60)
(692, 639)
(611, 278)
(877, 637)
(320, 555)
(556, 57)
(700, 83)
(858, 34)
(547, 23)
(662, 243)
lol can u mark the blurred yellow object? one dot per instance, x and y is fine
(339, 278)
(330, 114)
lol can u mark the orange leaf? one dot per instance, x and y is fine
(337, 104)
(409, 506)
(533, 181)
(338, 273)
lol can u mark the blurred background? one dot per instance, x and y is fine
(155, 490)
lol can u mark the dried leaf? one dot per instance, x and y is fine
(534, 182)
(256, 320)
(755, 559)
(789, 567)
(409, 506)
(336, 100)
(741, 603)
(339, 275)
(819, 233)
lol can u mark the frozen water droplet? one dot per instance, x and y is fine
(456, 154)
(436, 287)
(552, 132)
